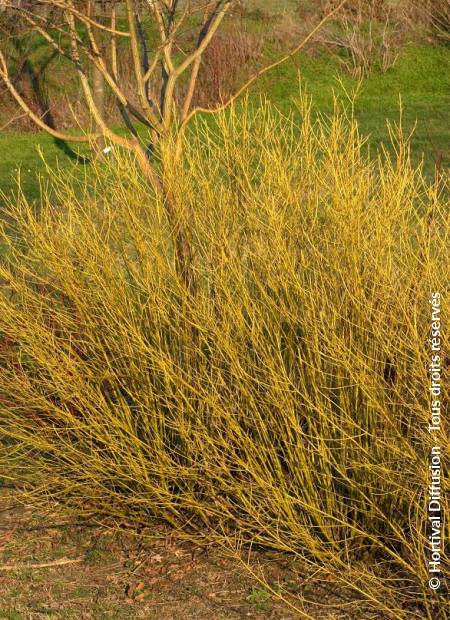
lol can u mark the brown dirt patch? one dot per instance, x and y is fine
(124, 575)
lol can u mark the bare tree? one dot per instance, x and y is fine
(89, 32)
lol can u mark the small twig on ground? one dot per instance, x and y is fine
(60, 562)
(52, 526)
(12, 120)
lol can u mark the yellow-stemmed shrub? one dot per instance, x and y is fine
(283, 398)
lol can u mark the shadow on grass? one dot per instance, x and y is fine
(63, 146)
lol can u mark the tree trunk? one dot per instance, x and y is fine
(98, 94)
(98, 81)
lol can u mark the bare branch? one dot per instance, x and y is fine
(195, 70)
(209, 31)
(66, 6)
(29, 112)
(264, 70)
(191, 88)
(115, 71)
(140, 81)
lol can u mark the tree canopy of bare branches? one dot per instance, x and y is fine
(91, 34)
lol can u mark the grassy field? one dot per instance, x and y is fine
(420, 80)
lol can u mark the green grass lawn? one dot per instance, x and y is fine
(421, 77)
(420, 80)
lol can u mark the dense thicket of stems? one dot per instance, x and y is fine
(294, 410)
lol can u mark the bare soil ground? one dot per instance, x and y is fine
(66, 571)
